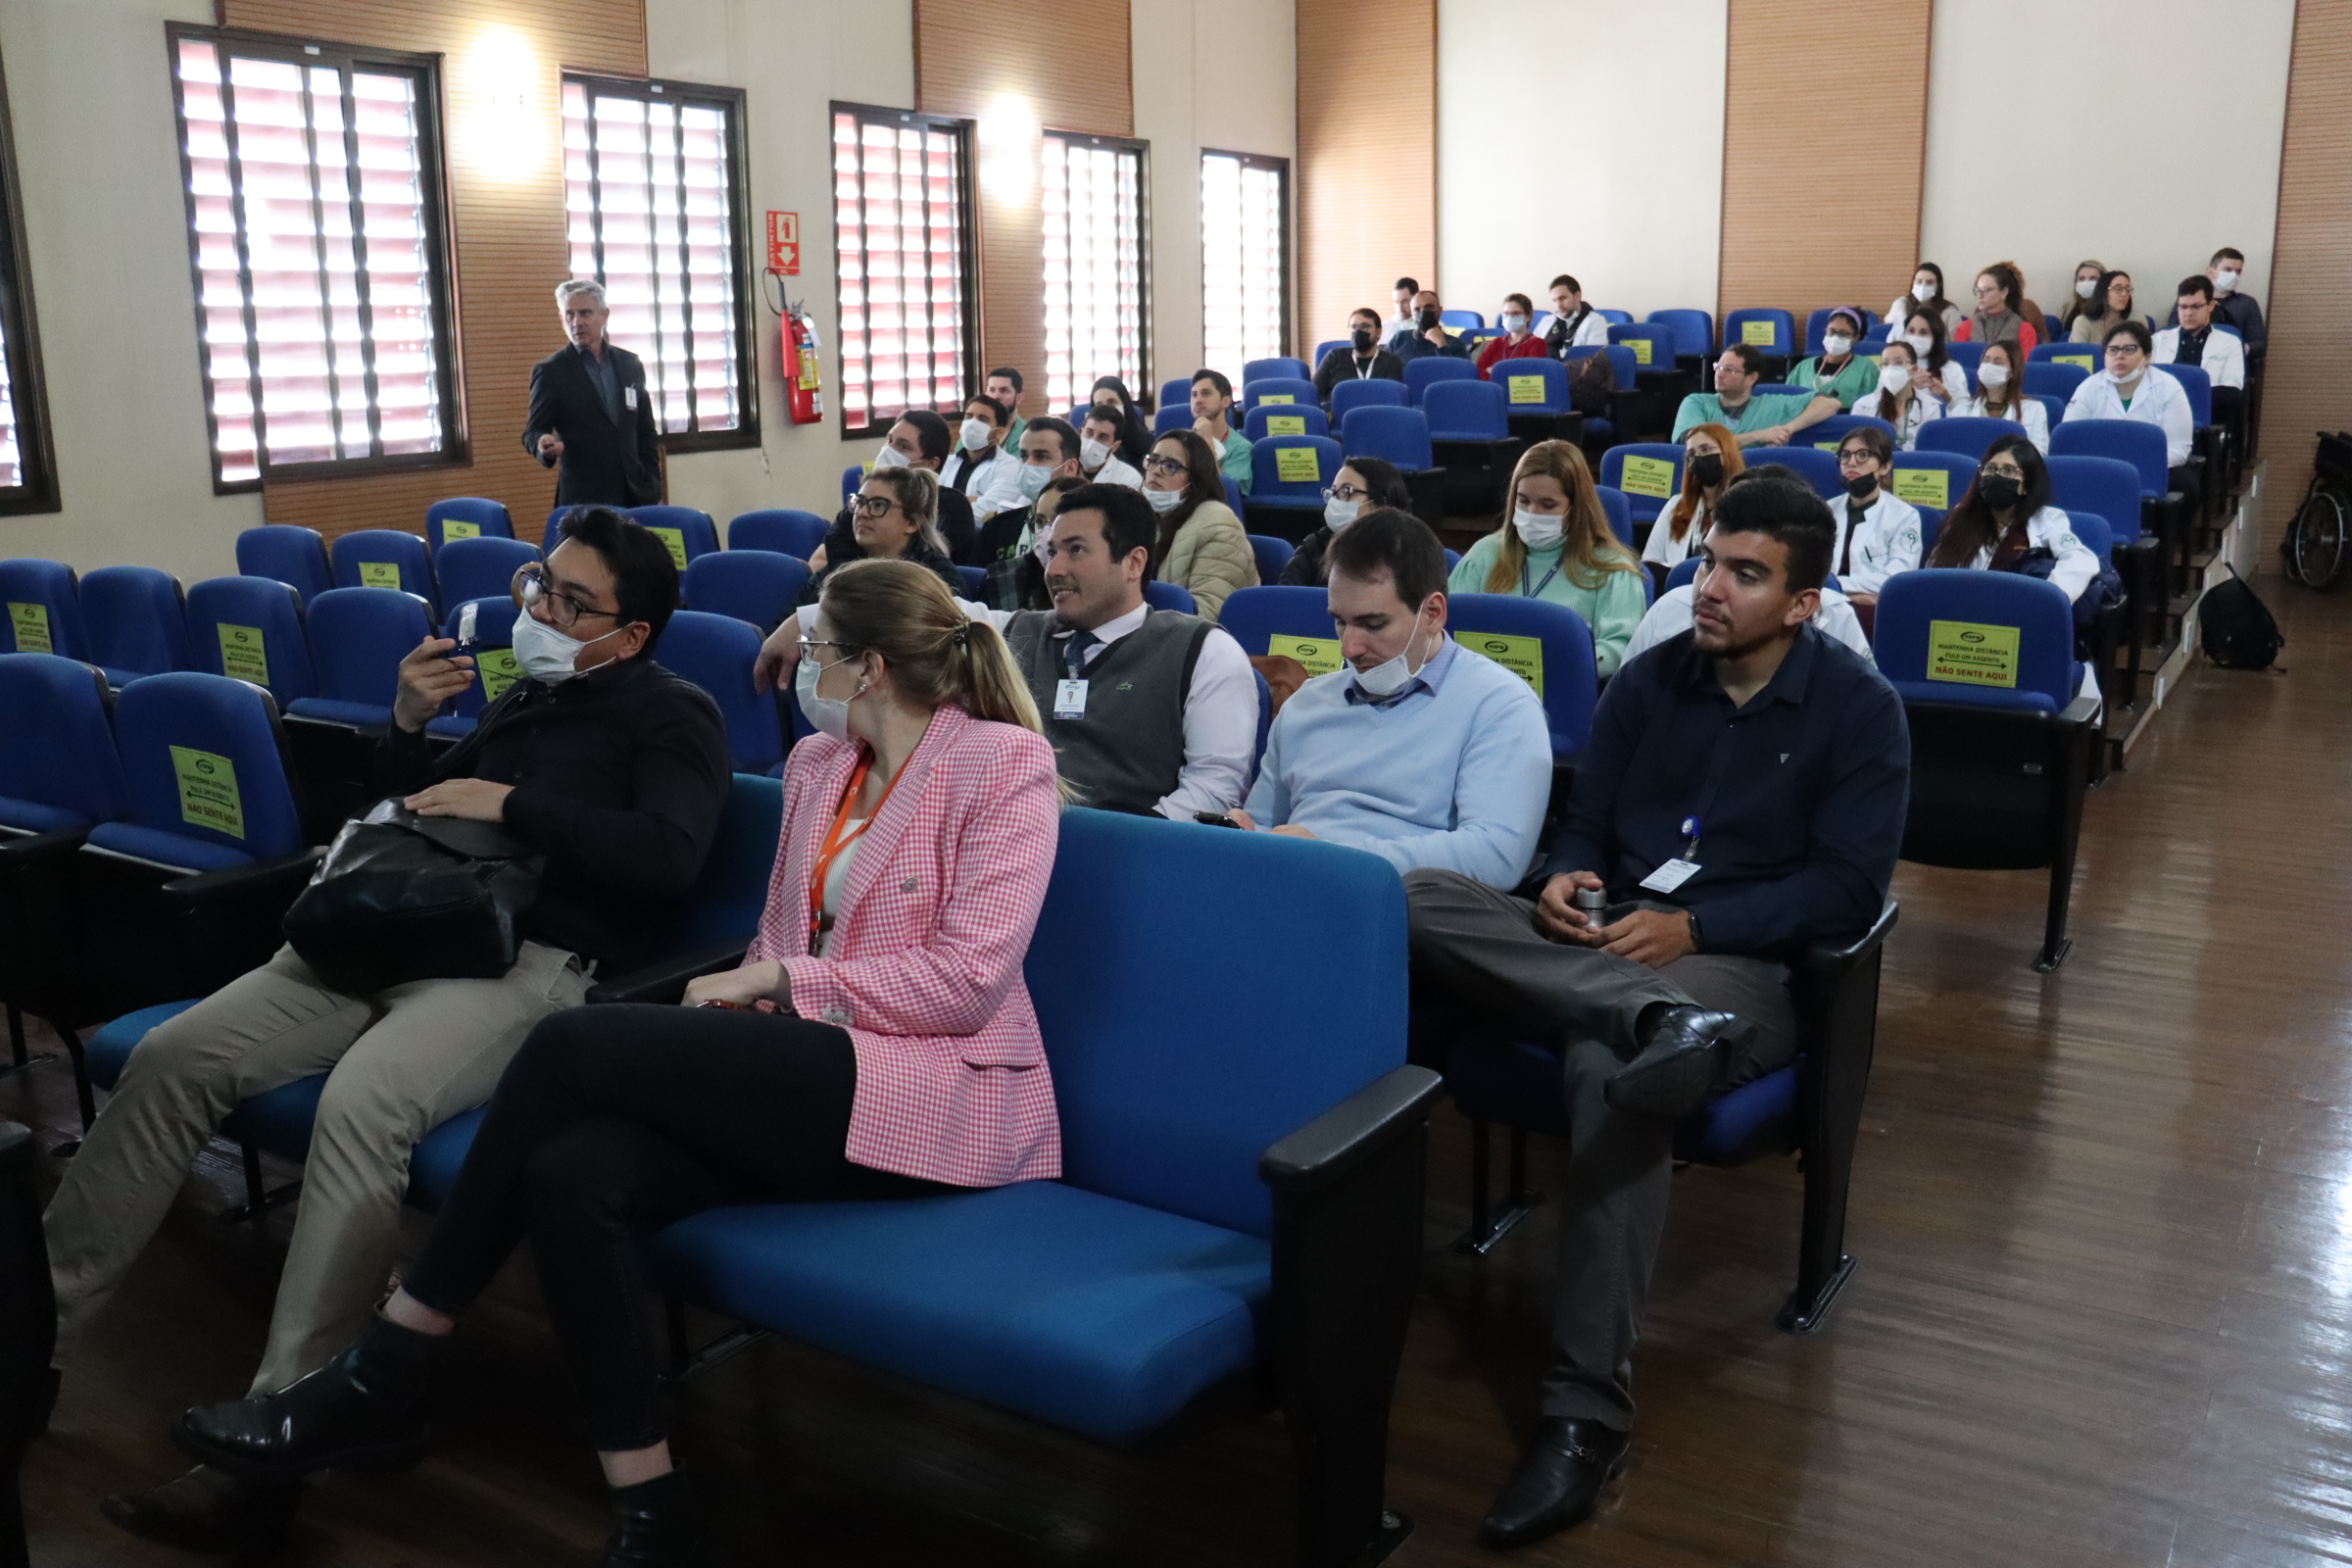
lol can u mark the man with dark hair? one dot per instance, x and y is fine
(1004, 384)
(1363, 359)
(1098, 460)
(1770, 420)
(1425, 336)
(597, 759)
(2221, 355)
(1402, 294)
(1743, 795)
(1415, 747)
(981, 443)
(1048, 451)
(920, 439)
(1574, 324)
(590, 411)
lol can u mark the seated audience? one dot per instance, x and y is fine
(981, 441)
(1557, 545)
(1426, 335)
(1839, 371)
(1672, 616)
(1203, 546)
(2086, 296)
(1711, 459)
(819, 1070)
(2191, 339)
(600, 760)
(1403, 295)
(1770, 420)
(896, 521)
(1946, 382)
(1996, 320)
(1907, 395)
(1049, 450)
(2109, 303)
(2024, 306)
(1714, 876)
(1363, 359)
(1876, 535)
(2006, 516)
(1926, 294)
(1574, 324)
(2001, 377)
(1362, 484)
(1516, 342)
(1004, 383)
(1212, 422)
(1415, 748)
(1099, 444)
(2128, 389)
(920, 439)
(1135, 431)
(2241, 312)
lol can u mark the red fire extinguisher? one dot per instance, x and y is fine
(802, 375)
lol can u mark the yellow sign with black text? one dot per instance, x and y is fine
(1968, 653)
(499, 671)
(1527, 388)
(380, 574)
(675, 538)
(454, 529)
(30, 624)
(1297, 464)
(1759, 333)
(1320, 655)
(1286, 424)
(1523, 656)
(208, 791)
(242, 656)
(1924, 487)
(1647, 477)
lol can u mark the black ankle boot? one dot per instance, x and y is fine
(367, 1407)
(654, 1526)
(207, 1510)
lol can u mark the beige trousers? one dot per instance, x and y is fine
(399, 1064)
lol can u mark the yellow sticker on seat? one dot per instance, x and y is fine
(30, 624)
(1647, 477)
(1757, 332)
(1640, 347)
(380, 574)
(1286, 424)
(2081, 361)
(242, 656)
(1968, 653)
(675, 538)
(1276, 397)
(1297, 464)
(208, 791)
(1527, 388)
(1523, 656)
(1825, 446)
(453, 530)
(1924, 487)
(1320, 655)
(499, 671)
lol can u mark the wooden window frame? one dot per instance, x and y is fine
(1281, 167)
(28, 385)
(1141, 383)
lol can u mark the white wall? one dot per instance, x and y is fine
(90, 97)
(1620, 181)
(1206, 75)
(2152, 177)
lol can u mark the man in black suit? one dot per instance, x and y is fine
(590, 410)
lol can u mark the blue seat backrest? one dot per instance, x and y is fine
(1685, 573)
(1278, 391)
(1619, 508)
(1378, 393)
(1253, 614)
(1233, 495)
(1968, 435)
(1467, 411)
(2051, 327)
(716, 653)
(1930, 519)
(1462, 320)
(759, 586)
(1694, 330)
(974, 578)
(787, 530)
(2092, 531)
(1967, 356)
(688, 533)
(250, 628)
(1817, 327)
(1942, 636)
(1936, 480)
(385, 557)
(475, 516)
(2087, 357)
(135, 620)
(1649, 488)
(852, 477)
(1422, 374)
(731, 890)
(2043, 379)
(1826, 435)
(1776, 332)
(174, 732)
(358, 638)
(1651, 342)
(480, 568)
(1285, 418)
(2105, 488)
(1272, 554)
(1622, 367)
(57, 752)
(1177, 393)
(1170, 596)
(2128, 440)
(1157, 1107)
(1531, 386)
(1569, 679)
(1875, 338)
(1401, 436)
(2198, 386)
(1336, 345)
(295, 556)
(43, 608)
(1280, 368)
(1817, 468)
(1310, 473)
(1172, 417)
(493, 652)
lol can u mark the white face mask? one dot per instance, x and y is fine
(977, 433)
(546, 653)
(1391, 676)
(1339, 513)
(1920, 343)
(1923, 292)
(1092, 454)
(1164, 501)
(830, 714)
(2084, 286)
(2127, 383)
(1995, 376)
(1538, 531)
(891, 456)
(2225, 279)
(1035, 477)
(1836, 343)
(1893, 377)
(1514, 323)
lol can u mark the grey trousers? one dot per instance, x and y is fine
(1481, 948)
(399, 1064)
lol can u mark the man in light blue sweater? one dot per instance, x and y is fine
(1417, 749)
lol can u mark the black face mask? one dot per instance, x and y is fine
(1861, 484)
(2000, 491)
(1362, 339)
(1707, 470)
(1428, 318)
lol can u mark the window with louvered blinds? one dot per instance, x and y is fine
(1245, 260)
(1094, 234)
(903, 244)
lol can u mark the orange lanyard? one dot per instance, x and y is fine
(838, 838)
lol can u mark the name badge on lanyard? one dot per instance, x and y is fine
(1683, 867)
(628, 397)
(1069, 698)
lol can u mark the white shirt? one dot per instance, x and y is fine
(1663, 547)
(1922, 408)
(1887, 542)
(1117, 470)
(2159, 401)
(999, 487)
(2048, 529)
(2224, 359)
(2029, 413)
(961, 458)
(1670, 617)
(1594, 330)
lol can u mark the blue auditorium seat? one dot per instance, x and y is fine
(1655, 480)
(1967, 356)
(358, 638)
(1272, 556)
(58, 772)
(1422, 374)
(42, 604)
(1398, 435)
(384, 557)
(482, 567)
(134, 621)
(1815, 466)
(716, 653)
(1967, 435)
(1503, 626)
(1936, 480)
(1832, 432)
(1773, 334)
(1298, 391)
(1620, 507)
(295, 556)
(1171, 418)
(250, 628)
(1283, 368)
(2108, 489)
(2047, 378)
(1292, 508)
(1270, 420)
(1462, 320)
(1277, 619)
(785, 530)
(493, 659)
(759, 586)
(1534, 396)
(689, 534)
(465, 518)
(1652, 344)
(1694, 331)
(2088, 358)
(1169, 596)
(1376, 393)
(205, 763)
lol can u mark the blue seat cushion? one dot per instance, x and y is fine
(1083, 1311)
(1518, 1082)
(334, 711)
(433, 1165)
(1948, 691)
(1755, 1119)
(32, 816)
(109, 1047)
(171, 849)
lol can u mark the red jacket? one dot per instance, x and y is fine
(1501, 349)
(925, 968)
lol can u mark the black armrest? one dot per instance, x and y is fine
(2081, 711)
(1828, 957)
(665, 981)
(19, 851)
(288, 873)
(1350, 1132)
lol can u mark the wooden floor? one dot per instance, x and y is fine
(2103, 1318)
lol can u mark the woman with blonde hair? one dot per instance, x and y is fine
(877, 1042)
(2086, 292)
(1711, 459)
(1557, 545)
(895, 516)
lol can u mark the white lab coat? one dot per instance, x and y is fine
(2048, 529)
(1887, 542)
(2160, 401)
(1116, 471)
(1670, 617)
(958, 460)
(2029, 413)
(1662, 547)
(1922, 408)
(2224, 359)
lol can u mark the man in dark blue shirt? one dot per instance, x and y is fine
(1741, 795)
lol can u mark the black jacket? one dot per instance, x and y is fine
(1340, 366)
(956, 526)
(601, 463)
(921, 554)
(620, 778)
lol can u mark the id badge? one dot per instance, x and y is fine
(1069, 698)
(1673, 874)
(628, 397)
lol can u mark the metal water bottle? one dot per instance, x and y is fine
(1592, 902)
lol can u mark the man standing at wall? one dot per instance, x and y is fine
(590, 411)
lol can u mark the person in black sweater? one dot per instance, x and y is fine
(1362, 485)
(920, 439)
(897, 519)
(604, 763)
(1363, 359)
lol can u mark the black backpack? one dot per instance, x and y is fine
(2235, 627)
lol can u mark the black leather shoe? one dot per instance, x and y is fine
(365, 1408)
(207, 1510)
(1685, 1054)
(1558, 1481)
(654, 1526)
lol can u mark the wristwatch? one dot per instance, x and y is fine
(1697, 940)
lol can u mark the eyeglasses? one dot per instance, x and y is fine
(2003, 470)
(873, 505)
(1858, 458)
(1346, 492)
(1166, 467)
(1986, 290)
(564, 610)
(2127, 348)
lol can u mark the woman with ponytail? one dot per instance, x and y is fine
(877, 1042)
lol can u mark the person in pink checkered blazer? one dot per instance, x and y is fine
(877, 1042)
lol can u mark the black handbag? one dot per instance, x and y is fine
(402, 897)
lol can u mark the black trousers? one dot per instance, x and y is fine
(614, 1121)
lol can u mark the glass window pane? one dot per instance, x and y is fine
(905, 271)
(1093, 219)
(1245, 284)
